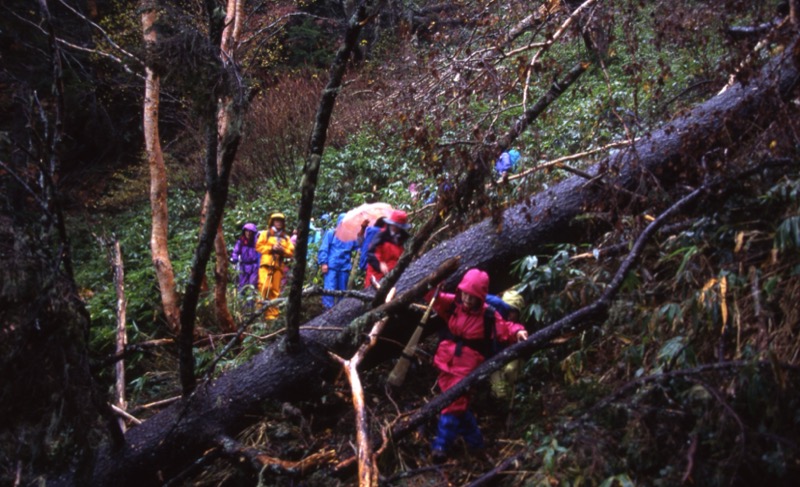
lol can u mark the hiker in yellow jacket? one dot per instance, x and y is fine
(275, 246)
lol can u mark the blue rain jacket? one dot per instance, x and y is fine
(507, 162)
(334, 252)
(369, 234)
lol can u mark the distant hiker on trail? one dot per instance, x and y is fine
(387, 247)
(414, 190)
(510, 307)
(315, 232)
(246, 258)
(335, 259)
(324, 223)
(507, 163)
(274, 246)
(473, 330)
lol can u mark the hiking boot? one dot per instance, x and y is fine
(438, 457)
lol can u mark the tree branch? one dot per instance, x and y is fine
(367, 466)
(355, 328)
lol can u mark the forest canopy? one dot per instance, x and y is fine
(650, 227)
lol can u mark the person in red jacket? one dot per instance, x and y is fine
(387, 246)
(464, 346)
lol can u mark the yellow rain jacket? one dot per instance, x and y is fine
(275, 248)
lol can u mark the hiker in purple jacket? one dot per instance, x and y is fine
(246, 257)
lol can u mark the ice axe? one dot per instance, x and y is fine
(398, 374)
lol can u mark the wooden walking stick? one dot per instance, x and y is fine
(398, 374)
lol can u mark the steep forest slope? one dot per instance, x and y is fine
(681, 368)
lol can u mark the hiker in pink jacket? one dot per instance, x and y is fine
(474, 329)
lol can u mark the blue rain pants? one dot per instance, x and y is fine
(451, 426)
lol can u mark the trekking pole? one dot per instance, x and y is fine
(398, 374)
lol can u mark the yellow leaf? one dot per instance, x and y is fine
(625, 340)
(706, 287)
(723, 287)
(739, 242)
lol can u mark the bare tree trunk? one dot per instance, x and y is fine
(221, 310)
(51, 154)
(234, 12)
(223, 134)
(308, 184)
(48, 393)
(122, 337)
(158, 179)
(230, 36)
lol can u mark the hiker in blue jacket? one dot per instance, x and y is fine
(335, 261)
(507, 162)
(315, 232)
(369, 233)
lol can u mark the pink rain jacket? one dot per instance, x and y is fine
(467, 324)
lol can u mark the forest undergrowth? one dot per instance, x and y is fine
(693, 378)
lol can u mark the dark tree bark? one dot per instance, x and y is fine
(225, 120)
(47, 391)
(308, 184)
(50, 405)
(170, 441)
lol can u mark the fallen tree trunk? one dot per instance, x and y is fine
(576, 321)
(165, 444)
